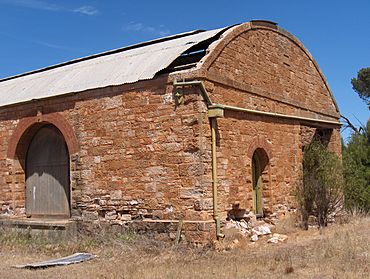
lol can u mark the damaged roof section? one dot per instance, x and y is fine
(116, 67)
(190, 57)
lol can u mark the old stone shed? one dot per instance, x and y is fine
(183, 127)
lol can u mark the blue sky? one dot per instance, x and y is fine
(38, 33)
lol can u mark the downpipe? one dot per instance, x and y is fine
(209, 103)
(216, 217)
(217, 110)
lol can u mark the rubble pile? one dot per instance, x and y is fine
(254, 229)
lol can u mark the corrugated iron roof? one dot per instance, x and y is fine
(72, 259)
(117, 67)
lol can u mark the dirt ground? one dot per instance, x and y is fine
(339, 251)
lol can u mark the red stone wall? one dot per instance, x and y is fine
(262, 69)
(270, 65)
(239, 135)
(138, 156)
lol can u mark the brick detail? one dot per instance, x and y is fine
(259, 142)
(26, 127)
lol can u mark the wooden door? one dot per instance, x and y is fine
(257, 184)
(47, 175)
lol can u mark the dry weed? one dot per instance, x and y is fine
(341, 251)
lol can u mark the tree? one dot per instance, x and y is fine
(356, 155)
(321, 192)
(356, 161)
(361, 85)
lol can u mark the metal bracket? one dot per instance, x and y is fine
(179, 97)
(215, 112)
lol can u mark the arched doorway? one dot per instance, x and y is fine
(259, 164)
(47, 175)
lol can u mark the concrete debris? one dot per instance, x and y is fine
(250, 227)
(273, 240)
(252, 219)
(261, 230)
(276, 238)
(244, 224)
(254, 238)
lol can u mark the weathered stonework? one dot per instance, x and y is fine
(135, 154)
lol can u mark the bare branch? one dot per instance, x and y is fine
(348, 124)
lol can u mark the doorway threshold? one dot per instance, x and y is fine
(38, 223)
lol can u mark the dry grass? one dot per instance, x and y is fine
(340, 251)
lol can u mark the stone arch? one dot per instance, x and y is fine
(27, 127)
(259, 143)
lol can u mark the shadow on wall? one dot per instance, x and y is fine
(236, 213)
(323, 136)
(315, 134)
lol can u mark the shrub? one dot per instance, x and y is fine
(321, 192)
